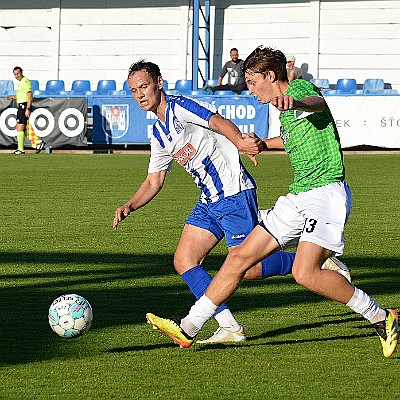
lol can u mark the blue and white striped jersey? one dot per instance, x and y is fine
(211, 159)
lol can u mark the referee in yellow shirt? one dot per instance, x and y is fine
(24, 101)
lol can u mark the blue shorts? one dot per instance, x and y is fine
(233, 217)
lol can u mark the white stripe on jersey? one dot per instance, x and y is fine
(211, 159)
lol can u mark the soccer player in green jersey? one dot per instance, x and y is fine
(312, 216)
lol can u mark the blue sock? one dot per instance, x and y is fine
(279, 263)
(198, 279)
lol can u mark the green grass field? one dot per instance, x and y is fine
(57, 237)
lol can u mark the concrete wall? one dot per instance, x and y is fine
(331, 39)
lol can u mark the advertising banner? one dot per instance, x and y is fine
(360, 120)
(57, 121)
(119, 120)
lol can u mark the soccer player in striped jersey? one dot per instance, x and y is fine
(312, 216)
(206, 145)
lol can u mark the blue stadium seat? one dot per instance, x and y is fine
(165, 87)
(35, 84)
(80, 86)
(332, 92)
(105, 86)
(172, 92)
(358, 92)
(346, 85)
(198, 92)
(390, 92)
(65, 93)
(210, 82)
(54, 86)
(6, 86)
(224, 93)
(183, 85)
(39, 93)
(383, 92)
(374, 84)
(126, 87)
(320, 83)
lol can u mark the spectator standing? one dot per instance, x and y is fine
(234, 69)
(293, 72)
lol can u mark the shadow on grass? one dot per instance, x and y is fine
(123, 287)
(270, 335)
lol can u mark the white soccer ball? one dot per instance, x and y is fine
(70, 315)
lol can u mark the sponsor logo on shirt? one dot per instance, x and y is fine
(184, 154)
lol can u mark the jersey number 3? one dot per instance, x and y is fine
(309, 225)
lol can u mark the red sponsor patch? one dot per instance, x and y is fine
(184, 154)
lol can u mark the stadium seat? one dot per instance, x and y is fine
(5, 86)
(65, 93)
(55, 86)
(165, 87)
(126, 87)
(320, 83)
(183, 85)
(80, 86)
(390, 92)
(358, 92)
(224, 93)
(332, 92)
(105, 86)
(198, 92)
(35, 85)
(383, 92)
(346, 85)
(39, 93)
(210, 82)
(374, 84)
(172, 92)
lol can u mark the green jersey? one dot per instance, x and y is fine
(24, 86)
(312, 142)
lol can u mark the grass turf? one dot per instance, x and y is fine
(57, 237)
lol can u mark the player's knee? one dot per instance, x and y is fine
(183, 263)
(237, 262)
(179, 263)
(302, 276)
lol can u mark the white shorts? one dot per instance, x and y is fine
(317, 216)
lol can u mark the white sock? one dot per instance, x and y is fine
(198, 315)
(227, 321)
(362, 304)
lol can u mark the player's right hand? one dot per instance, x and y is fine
(283, 102)
(254, 146)
(120, 214)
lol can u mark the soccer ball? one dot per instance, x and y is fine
(70, 315)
